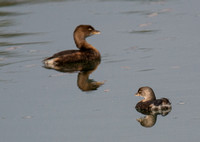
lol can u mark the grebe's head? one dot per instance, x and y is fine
(85, 31)
(147, 93)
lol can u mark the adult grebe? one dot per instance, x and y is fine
(86, 52)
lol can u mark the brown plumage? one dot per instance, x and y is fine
(150, 103)
(85, 53)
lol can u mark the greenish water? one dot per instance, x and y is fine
(142, 43)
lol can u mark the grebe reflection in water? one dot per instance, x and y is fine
(150, 118)
(85, 69)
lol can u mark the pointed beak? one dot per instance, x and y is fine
(139, 120)
(96, 32)
(137, 94)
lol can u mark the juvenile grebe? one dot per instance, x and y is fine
(86, 52)
(150, 103)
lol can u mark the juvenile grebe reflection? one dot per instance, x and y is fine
(150, 117)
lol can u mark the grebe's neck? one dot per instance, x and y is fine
(87, 46)
(79, 40)
(81, 43)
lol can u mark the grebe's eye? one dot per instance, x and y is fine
(90, 29)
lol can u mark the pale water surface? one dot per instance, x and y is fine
(142, 42)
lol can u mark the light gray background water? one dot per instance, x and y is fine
(142, 42)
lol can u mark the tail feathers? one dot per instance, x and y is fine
(165, 101)
(50, 62)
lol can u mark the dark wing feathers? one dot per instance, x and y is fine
(161, 101)
(71, 56)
